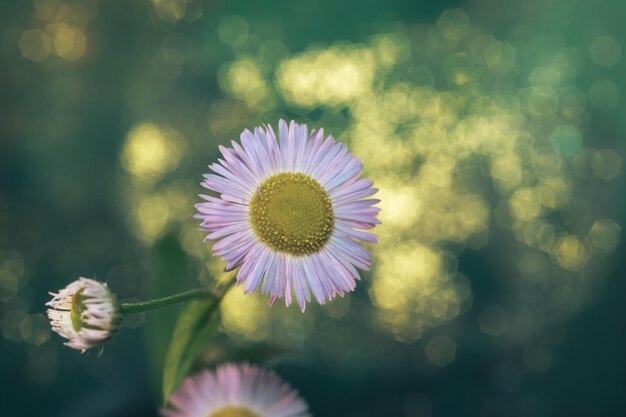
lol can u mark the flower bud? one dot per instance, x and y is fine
(85, 312)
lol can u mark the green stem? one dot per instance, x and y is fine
(216, 295)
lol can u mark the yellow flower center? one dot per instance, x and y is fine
(233, 411)
(77, 309)
(292, 213)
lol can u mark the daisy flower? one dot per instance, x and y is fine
(85, 312)
(235, 391)
(291, 213)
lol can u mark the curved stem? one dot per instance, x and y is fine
(216, 295)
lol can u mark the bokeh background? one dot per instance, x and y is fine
(494, 129)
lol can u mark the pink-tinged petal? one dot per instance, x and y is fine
(270, 273)
(356, 234)
(328, 163)
(343, 165)
(252, 282)
(234, 243)
(350, 170)
(252, 144)
(330, 280)
(215, 209)
(313, 146)
(352, 251)
(357, 204)
(249, 262)
(318, 285)
(300, 287)
(225, 186)
(225, 231)
(300, 138)
(247, 160)
(347, 273)
(236, 256)
(288, 280)
(233, 199)
(319, 154)
(272, 143)
(353, 188)
(287, 145)
(364, 218)
(264, 154)
(271, 146)
(235, 164)
(223, 171)
(280, 279)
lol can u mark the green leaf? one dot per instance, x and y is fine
(196, 326)
(167, 260)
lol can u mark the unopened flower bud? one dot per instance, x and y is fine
(86, 312)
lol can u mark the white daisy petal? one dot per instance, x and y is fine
(232, 162)
(312, 148)
(279, 284)
(300, 287)
(328, 163)
(345, 228)
(252, 282)
(270, 271)
(353, 191)
(317, 155)
(223, 171)
(346, 273)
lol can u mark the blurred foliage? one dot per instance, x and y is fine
(195, 329)
(494, 130)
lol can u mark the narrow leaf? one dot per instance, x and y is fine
(197, 324)
(167, 260)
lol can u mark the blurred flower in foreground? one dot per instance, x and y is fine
(291, 211)
(236, 391)
(85, 312)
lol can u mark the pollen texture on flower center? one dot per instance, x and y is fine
(231, 411)
(292, 213)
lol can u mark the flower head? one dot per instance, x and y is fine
(235, 391)
(85, 312)
(291, 213)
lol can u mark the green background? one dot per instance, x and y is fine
(110, 111)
